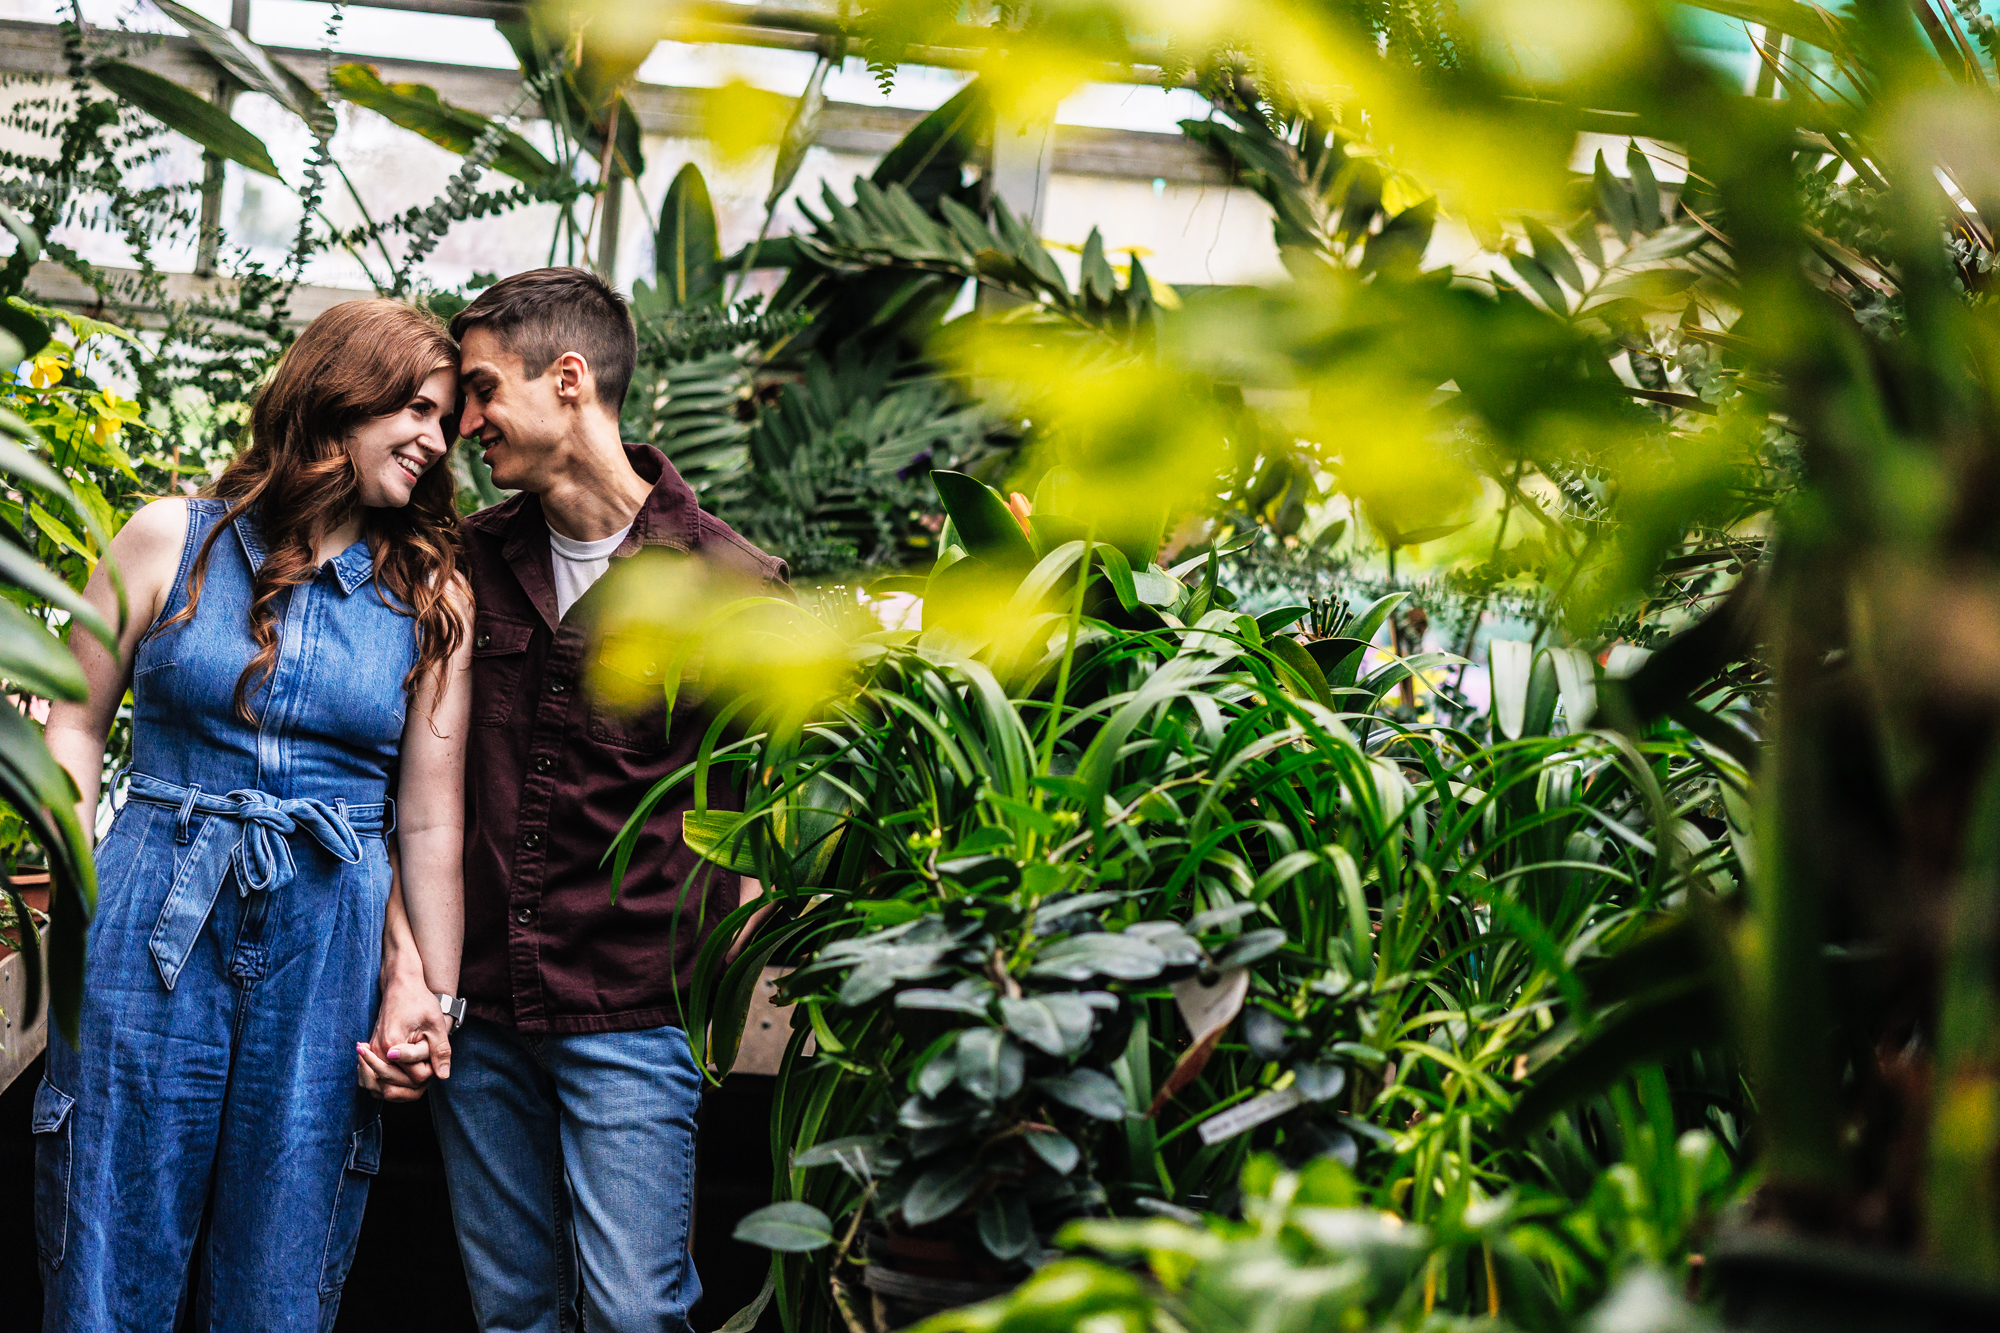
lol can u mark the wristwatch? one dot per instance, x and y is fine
(453, 1007)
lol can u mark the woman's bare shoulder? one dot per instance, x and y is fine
(151, 540)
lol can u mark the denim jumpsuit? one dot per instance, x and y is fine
(232, 965)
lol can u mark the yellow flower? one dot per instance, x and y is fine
(105, 429)
(46, 369)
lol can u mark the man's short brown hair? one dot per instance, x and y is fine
(545, 312)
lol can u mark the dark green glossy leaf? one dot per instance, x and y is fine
(184, 113)
(1004, 1227)
(790, 1227)
(941, 1191)
(989, 1064)
(1087, 1090)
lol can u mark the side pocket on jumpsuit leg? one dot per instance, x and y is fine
(51, 1127)
(350, 1200)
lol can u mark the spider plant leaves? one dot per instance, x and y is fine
(418, 108)
(687, 253)
(990, 1065)
(1090, 1091)
(790, 1227)
(721, 837)
(187, 114)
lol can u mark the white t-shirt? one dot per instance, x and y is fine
(579, 564)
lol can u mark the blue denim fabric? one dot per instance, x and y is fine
(232, 965)
(571, 1166)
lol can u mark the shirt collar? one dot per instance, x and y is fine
(351, 568)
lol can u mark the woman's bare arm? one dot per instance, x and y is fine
(424, 927)
(430, 817)
(148, 552)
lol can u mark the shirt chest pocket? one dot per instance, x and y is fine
(499, 655)
(628, 705)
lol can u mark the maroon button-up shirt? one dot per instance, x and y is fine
(552, 774)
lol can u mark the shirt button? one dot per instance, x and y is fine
(557, 687)
(524, 916)
(531, 840)
(482, 641)
(543, 763)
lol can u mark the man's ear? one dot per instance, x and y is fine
(575, 385)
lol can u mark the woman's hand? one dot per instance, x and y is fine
(412, 1040)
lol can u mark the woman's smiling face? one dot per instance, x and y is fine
(390, 453)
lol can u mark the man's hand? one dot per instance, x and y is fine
(412, 1041)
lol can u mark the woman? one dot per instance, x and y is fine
(296, 652)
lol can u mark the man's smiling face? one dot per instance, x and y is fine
(516, 419)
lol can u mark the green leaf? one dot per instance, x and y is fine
(26, 573)
(1004, 1227)
(941, 1191)
(801, 131)
(1085, 956)
(929, 161)
(1645, 191)
(1055, 1149)
(1058, 1024)
(1300, 664)
(986, 527)
(790, 1227)
(28, 243)
(720, 836)
(417, 107)
(688, 253)
(35, 660)
(1337, 658)
(1543, 282)
(253, 67)
(81, 327)
(1090, 1091)
(989, 1065)
(184, 113)
(1613, 200)
(1281, 617)
(1553, 254)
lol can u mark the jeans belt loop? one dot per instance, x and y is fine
(187, 812)
(388, 815)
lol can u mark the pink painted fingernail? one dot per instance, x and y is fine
(395, 1052)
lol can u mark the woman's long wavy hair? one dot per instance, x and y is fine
(358, 361)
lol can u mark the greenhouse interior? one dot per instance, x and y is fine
(1002, 666)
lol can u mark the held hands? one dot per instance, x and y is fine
(412, 1041)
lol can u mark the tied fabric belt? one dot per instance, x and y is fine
(261, 854)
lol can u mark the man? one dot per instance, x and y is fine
(568, 1122)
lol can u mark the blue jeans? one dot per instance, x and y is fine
(571, 1166)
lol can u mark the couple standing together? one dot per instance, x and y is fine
(370, 792)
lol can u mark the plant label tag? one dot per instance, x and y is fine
(1208, 1009)
(1251, 1114)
